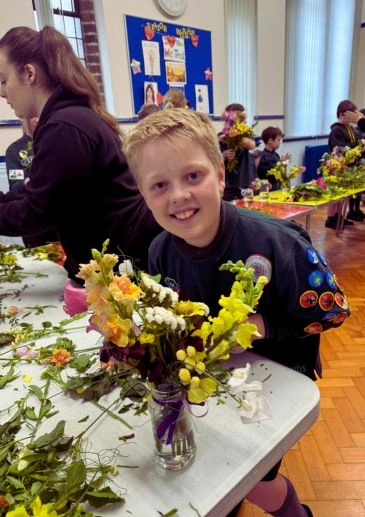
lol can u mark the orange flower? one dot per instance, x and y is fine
(61, 357)
(3, 502)
(122, 289)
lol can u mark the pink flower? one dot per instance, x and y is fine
(22, 351)
(74, 298)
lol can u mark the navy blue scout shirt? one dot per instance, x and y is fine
(268, 160)
(301, 299)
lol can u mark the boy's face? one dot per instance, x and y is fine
(182, 188)
(275, 143)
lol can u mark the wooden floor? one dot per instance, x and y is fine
(327, 466)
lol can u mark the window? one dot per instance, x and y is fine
(66, 19)
(241, 44)
(319, 43)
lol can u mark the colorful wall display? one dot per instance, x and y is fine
(165, 55)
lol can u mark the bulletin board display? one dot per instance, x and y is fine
(165, 55)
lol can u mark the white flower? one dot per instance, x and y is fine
(255, 408)
(126, 268)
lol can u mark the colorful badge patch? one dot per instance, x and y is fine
(316, 278)
(312, 256)
(326, 301)
(330, 279)
(322, 259)
(308, 299)
(341, 301)
(171, 283)
(313, 328)
(261, 265)
(16, 174)
(340, 318)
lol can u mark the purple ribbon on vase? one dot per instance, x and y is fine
(174, 403)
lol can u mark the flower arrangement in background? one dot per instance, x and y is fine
(233, 134)
(162, 339)
(283, 174)
(342, 168)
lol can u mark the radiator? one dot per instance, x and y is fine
(312, 155)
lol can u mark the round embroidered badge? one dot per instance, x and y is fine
(261, 265)
(326, 301)
(321, 258)
(308, 299)
(341, 301)
(313, 328)
(312, 256)
(330, 279)
(316, 278)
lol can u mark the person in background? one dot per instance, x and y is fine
(19, 156)
(18, 160)
(79, 185)
(147, 109)
(183, 189)
(343, 135)
(245, 170)
(272, 137)
(174, 98)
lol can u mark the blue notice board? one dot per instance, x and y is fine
(163, 56)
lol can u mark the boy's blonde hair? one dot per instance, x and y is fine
(166, 124)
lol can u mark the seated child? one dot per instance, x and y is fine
(175, 158)
(271, 137)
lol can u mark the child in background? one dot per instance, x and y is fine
(272, 137)
(245, 171)
(175, 158)
(343, 135)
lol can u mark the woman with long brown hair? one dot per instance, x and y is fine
(80, 182)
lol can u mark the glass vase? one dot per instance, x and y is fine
(285, 185)
(172, 428)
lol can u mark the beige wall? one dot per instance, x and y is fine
(203, 14)
(13, 13)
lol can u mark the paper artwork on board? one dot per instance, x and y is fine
(173, 48)
(135, 66)
(150, 93)
(151, 57)
(202, 98)
(175, 73)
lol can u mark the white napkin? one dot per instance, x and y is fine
(255, 407)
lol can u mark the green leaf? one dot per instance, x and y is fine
(75, 477)
(99, 498)
(37, 391)
(35, 488)
(4, 379)
(46, 324)
(81, 362)
(4, 451)
(46, 408)
(49, 438)
(16, 483)
(5, 338)
(30, 413)
(84, 419)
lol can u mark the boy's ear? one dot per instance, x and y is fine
(221, 178)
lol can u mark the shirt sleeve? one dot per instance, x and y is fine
(309, 299)
(266, 163)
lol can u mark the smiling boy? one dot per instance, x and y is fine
(175, 157)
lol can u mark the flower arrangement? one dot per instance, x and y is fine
(342, 168)
(281, 172)
(233, 134)
(146, 327)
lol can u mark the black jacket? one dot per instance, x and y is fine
(268, 160)
(81, 186)
(343, 135)
(291, 304)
